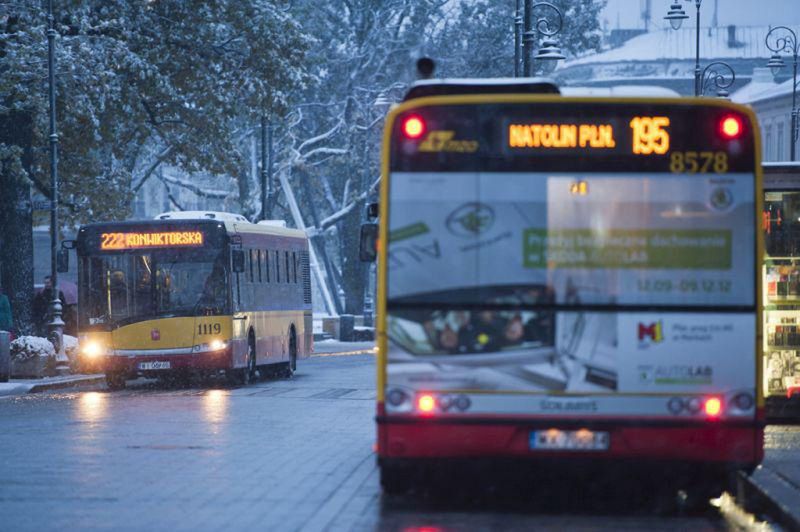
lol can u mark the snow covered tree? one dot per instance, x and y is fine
(330, 141)
(477, 37)
(141, 84)
(366, 54)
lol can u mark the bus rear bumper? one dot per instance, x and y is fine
(714, 442)
(134, 364)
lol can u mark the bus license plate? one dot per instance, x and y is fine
(154, 365)
(570, 440)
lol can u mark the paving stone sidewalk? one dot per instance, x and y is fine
(775, 486)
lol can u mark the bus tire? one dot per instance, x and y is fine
(115, 381)
(250, 372)
(292, 350)
(246, 375)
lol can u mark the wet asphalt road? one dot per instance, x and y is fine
(276, 455)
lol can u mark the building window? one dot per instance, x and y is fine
(768, 143)
(779, 143)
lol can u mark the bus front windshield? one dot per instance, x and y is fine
(126, 288)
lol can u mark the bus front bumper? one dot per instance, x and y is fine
(153, 363)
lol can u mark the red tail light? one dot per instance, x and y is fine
(713, 407)
(413, 127)
(731, 127)
(426, 403)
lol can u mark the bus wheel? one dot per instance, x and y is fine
(293, 351)
(115, 381)
(249, 373)
(291, 366)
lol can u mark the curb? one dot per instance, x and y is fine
(766, 492)
(22, 388)
(88, 380)
(343, 353)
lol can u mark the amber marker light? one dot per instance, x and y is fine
(426, 403)
(713, 407)
(731, 127)
(413, 127)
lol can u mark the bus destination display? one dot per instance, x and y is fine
(141, 240)
(649, 135)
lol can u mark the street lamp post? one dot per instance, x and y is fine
(517, 36)
(785, 40)
(720, 75)
(56, 325)
(676, 16)
(549, 50)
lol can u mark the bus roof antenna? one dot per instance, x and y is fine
(425, 68)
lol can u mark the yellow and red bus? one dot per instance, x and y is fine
(568, 278)
(203, 292)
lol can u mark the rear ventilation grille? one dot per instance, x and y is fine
(305, 267)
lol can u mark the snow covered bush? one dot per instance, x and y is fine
(70, 346)
(27, 347)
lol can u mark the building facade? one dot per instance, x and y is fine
(666, 58)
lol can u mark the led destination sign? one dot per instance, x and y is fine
(648, 134)
(141, 240)
(566, 135)
(561, 136)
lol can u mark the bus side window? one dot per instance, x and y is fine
(277, 266)
(252, 277)
(294, 266)
(266, 264)
(238, 291)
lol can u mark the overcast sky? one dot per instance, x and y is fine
(739, 12)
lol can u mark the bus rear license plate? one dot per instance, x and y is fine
(154, 365)
(569, 440)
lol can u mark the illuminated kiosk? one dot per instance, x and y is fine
(781, 289)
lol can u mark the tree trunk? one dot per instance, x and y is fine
(353, 270)
(16, 221)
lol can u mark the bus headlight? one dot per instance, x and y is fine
(217, 345)
(213, 345)
(92, 349)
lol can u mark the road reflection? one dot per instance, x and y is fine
(92, 407)
(215, 408)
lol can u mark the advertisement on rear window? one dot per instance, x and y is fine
(484, 269)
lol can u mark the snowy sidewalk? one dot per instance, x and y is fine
(774, 486)
(335, 347)
(23, 386)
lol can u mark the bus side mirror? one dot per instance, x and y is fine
(368, 243)
(238, 261)
(62, 260)
(372, 211)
